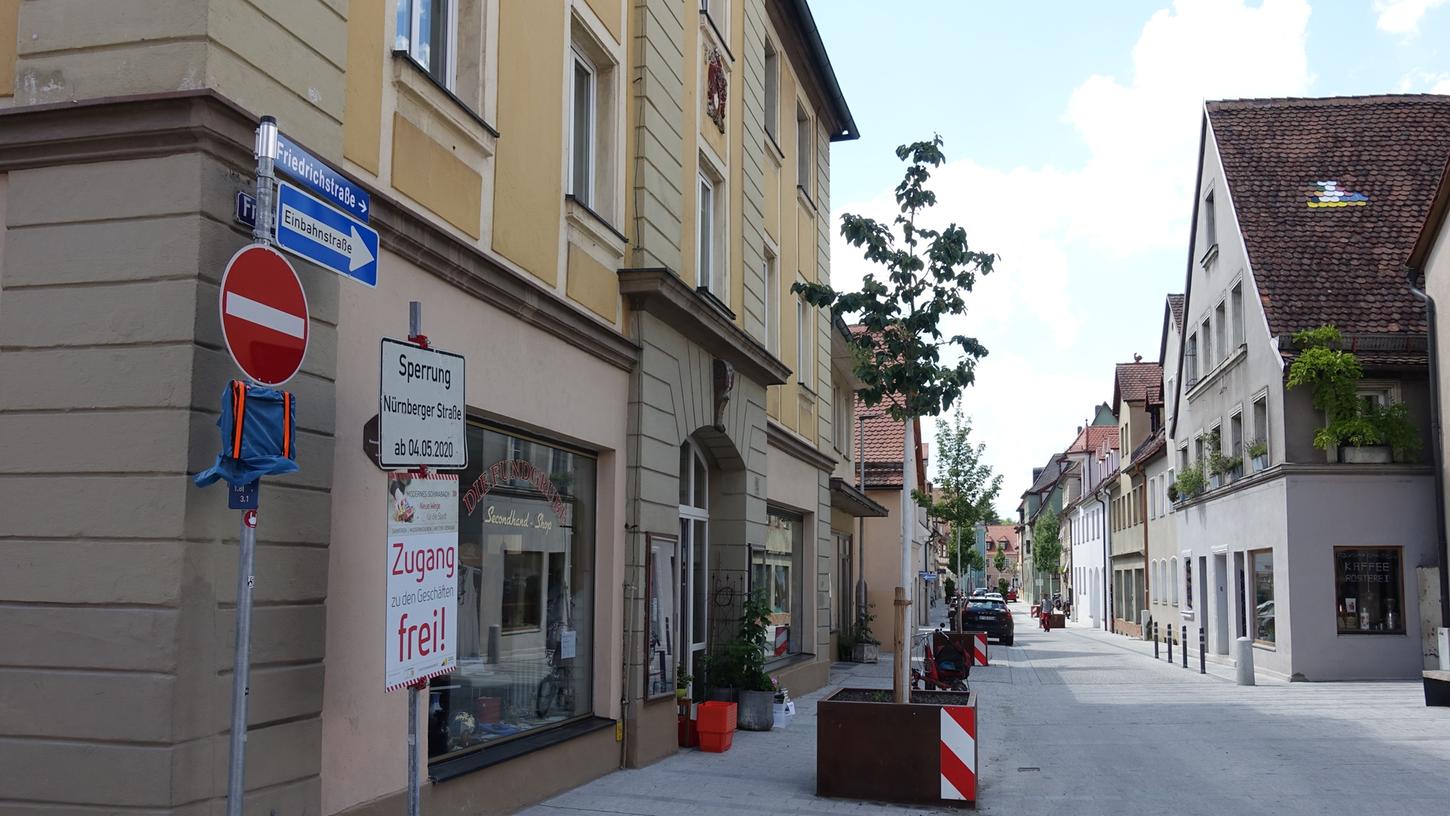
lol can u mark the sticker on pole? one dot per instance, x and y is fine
(264, 315)
(421, 413)
(422, 596)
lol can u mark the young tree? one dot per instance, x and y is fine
(1047, 546)
(928, 273)
(965, 484)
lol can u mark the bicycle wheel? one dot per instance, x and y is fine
(544, 699)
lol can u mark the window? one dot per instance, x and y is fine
(1206, 337)
(709, 227)
(772, 303)
(1190, 360)
(775, 572)
(1220, 339)
(804, 149)
(1198, 450)
(582, 133)
(1188, 583)
(991, 545)
(772, 91)
(663, 577)
(1173, 568)
(803, 356)
(1182, 457)
(1236, 437)
(525, 594)
(1262, 562)
(1236, 302)
(1368, 592)
(426, 32)
(1210, 224)
(1261, 420)
(841, 420)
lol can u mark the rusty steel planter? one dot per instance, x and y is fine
(885, 751)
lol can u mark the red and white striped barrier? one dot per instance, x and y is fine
(782, 640)
(979, 648)
(959, 753)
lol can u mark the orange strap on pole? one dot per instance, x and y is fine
(239, 415)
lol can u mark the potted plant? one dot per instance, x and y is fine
(1173, 494)
(865, 647)
(1216, 464)
(1259, 454)
(743, 659)
(1361, 432)
(871, 748)
(1190, 482)
(682, 682)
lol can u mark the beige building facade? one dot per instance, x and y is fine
(583, 214)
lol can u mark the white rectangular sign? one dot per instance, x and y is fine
(422, 578)
(421, 412)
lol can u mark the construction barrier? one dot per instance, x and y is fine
(959, 753)
(979, 648)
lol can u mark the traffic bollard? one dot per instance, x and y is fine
(1202, 652)
(1170, 644)
(1155, 640)
(1184, 644)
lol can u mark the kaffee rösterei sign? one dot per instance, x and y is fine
(422, 578)
(422, 418)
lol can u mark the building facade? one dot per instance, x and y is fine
(1002, 540)
(600, 205)
(1290, 552)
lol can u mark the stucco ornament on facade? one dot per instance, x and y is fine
(715, 89)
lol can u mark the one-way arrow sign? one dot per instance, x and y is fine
(310, 229)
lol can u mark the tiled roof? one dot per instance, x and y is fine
(1149, 448)
(1133, 380)
(1175, 305)
(997, 532)
(1048, 476)
(1093, 438)
(1330, 195)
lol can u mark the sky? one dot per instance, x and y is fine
(1071, 134)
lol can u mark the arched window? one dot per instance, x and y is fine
(1173, 568)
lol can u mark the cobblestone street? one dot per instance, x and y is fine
(1065, 715)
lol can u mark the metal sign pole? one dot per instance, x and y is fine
(265, 150)
(415, 334)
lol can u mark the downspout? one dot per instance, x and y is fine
(1437, 451)
(1104, 524)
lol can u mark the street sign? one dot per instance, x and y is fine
(246, 212)
(422, 579)
(310, 229)
(242, 496)
(264, 314)
(421, 413)
(322, 179)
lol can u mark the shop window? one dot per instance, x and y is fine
(662, 641)
(776, 574)
(1368, 590)
(525, 595)
(1262, 562)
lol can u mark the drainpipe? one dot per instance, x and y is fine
(1104, 526)
(1437, 450)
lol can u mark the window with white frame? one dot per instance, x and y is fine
(1236, 301)
(772, 91)
(1220, 319)
(712, 274)
(1235, 439)
(772, 302)
(426, 31)
(1210, 224)
(803, 347)
(805, 152)
(1190, 360)
(1261, 419)
(1205, 337)
(582, 133)
(1173, 568)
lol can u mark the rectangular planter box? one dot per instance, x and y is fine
(889, 752)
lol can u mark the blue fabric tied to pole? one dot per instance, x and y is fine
(258, 431)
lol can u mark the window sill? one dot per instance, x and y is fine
(1262, 646)
(1201, 384)
(423, 88)
(714, 300)
(1369, 634)
(1209, 256)
(805, 198)
(593, 225)
(454, 767)
(708, 22)
(772, 148)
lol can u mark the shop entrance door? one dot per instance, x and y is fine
(1220, 604)
(694, 555)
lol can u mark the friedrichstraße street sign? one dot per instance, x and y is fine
(312, 230)
(421, 413)
(264, 314)
(322, 179)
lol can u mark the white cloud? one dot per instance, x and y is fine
(1422, 81)
(1402, 16)
(1078, 242)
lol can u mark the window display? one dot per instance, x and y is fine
(525, 594)
(664, 622)
(1367, 590)
(1263, 566)
(776, 573)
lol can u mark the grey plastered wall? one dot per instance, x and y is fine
(119, 587)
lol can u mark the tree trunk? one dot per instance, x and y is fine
(902, 669)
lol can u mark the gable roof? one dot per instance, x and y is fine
(1175, 307)
(1134, 381)
(1093, 438)
(1329, 195)
(1000, 532)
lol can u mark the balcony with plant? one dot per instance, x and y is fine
(1358, 430)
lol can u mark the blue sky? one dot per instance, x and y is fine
(1071, 131)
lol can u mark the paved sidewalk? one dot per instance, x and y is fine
(1081, 722)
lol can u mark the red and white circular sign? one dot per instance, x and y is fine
(264, 314)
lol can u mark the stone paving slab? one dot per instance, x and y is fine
(1075, 722)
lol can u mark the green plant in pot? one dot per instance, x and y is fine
(865, 648)
(1215, 464)
(1361, 431)
(745, 658)
(1259, 454)
(1190, 481)
(682, 682)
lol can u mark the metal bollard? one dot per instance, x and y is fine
(1155, 640)
(1170, 644)
(1202, 652)
(1185, 645)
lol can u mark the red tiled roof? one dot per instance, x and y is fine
(1175, 305)
(1339, 264)
(1133, 381)
(1092, 438)
(997, 532)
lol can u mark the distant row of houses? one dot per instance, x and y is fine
(1253, 481)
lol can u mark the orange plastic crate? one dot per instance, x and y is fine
(716, 743)
(715, 718)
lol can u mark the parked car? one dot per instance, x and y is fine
(989, 615)
(1011, 594)
(979, 592)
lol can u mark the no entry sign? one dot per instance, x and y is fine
(264, 314)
